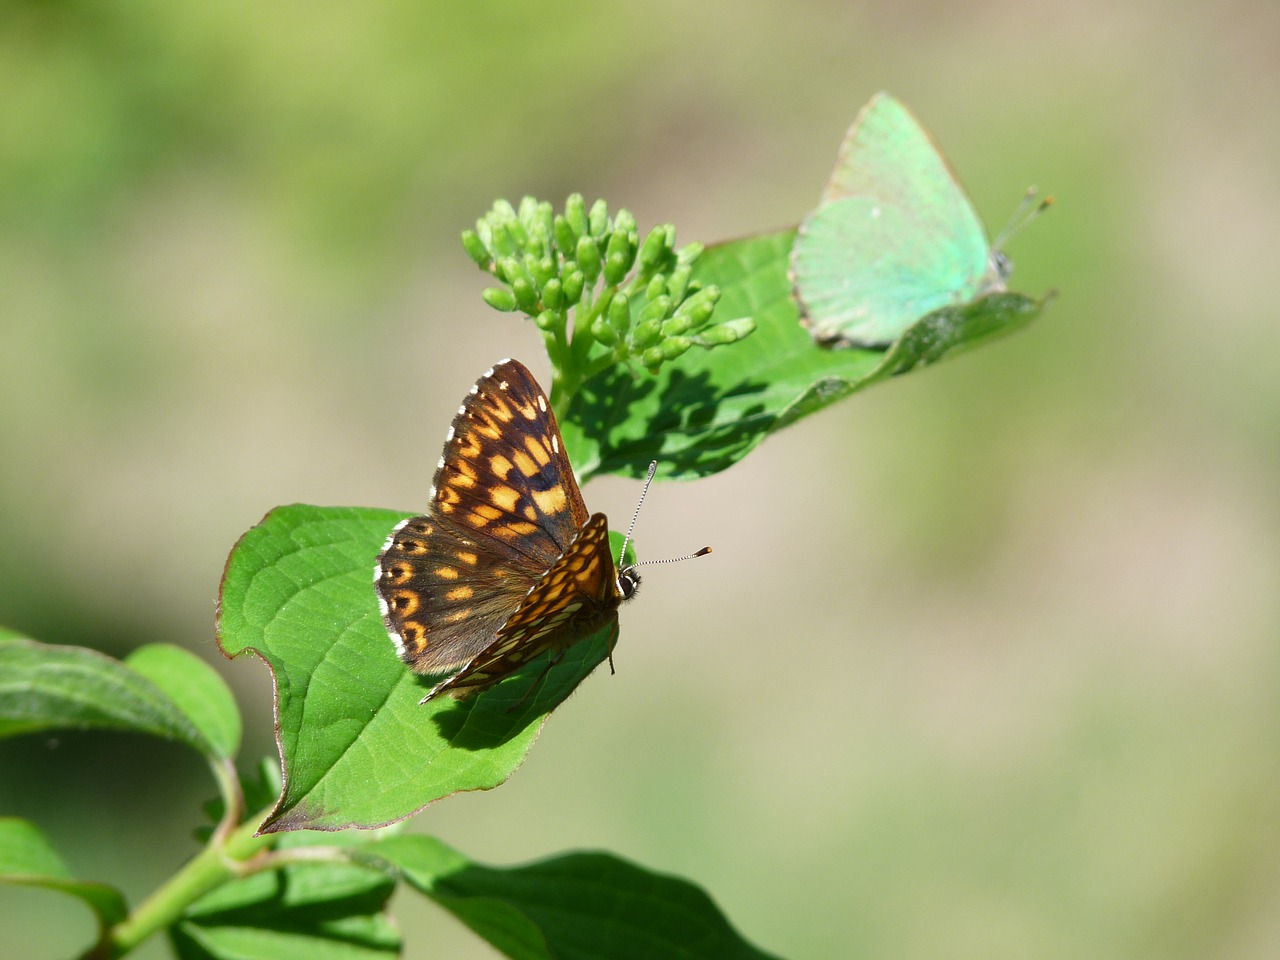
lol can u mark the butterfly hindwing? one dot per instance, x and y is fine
(444, 595)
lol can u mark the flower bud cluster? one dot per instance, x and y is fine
(634, 298)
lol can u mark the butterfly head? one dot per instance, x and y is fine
(1029, 209)
(628, 582)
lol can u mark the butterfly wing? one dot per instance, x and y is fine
(505, 477)
(577, 597)
(505, 506)
(894, 238)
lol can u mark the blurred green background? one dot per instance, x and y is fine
(985, 662)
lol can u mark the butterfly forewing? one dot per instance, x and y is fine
(485, 576)
(576, 597)
(504, 475)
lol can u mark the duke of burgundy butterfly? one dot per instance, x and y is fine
(507, 564)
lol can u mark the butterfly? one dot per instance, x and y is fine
(507, 563)
(895, 236)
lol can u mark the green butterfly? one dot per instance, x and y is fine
(894, 238)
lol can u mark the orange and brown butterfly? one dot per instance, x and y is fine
(506, 564)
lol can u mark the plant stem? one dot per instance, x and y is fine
(210, 868)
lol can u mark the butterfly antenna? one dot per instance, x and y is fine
(653, 468)
(1028, 210)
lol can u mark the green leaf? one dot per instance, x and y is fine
(196, 689)
(48, 687)
(357, 747)
(572, 907)
(27, 858)
(310, 911)
(706, 410)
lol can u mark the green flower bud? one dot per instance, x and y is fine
(541, 269)
(624, 222)
(616, 266)
(700, 312)
(528, 209)
(506, 269)
(620, 312)
(501, 212)
(700, 305)
(553, 294)
(519, 235)
(574, 283)
(676, 326)
(646, 334)
(656, 249)
(728, 332)
(475, 248)
(657, 288)
(575, 214)
(598, 219)
(619, 255)
(500, 298)
(504, 244)
(549, 320)
(588, 257)
(603, 332)
(525, 293)
(652, 358)
(544, 219)
(689, 253)
(672, 347)
(566, 238)
(655, 309)
(678, 282)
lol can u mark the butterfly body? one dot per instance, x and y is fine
(507, 564)
(894, 238)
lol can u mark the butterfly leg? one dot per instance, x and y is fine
(613, 639)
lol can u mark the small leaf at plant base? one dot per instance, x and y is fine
(27, 859)
(358, 749)
(46, 687)
(196, 689)
(301, 912)
(579, 905)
